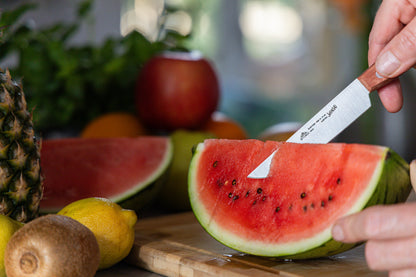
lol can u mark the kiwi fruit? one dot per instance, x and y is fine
(52, 245)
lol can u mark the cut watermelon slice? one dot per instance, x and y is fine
(291, 212)
(127, 171)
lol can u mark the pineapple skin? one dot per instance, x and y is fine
(21, 186)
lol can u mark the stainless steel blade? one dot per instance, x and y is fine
(337, 115)
(331, 120)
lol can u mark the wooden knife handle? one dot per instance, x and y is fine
(372, 80)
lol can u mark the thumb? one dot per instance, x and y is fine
(399, 55)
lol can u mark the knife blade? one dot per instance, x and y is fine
(334, 117)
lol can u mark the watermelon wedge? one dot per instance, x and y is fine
(128, 171)
(290, 213)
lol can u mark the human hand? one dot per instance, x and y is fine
(392, 47)
(390, 232)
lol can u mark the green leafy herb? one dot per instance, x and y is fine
(69, 85)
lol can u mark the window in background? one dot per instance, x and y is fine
(281, 60)
(272, 31)
(149, 18)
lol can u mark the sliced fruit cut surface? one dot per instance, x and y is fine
(290, 212)
(114, 168)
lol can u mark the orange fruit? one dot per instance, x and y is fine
(116, 124)
(222, 126)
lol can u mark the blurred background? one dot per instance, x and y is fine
(277, 60)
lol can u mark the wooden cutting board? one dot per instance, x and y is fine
(176, 245)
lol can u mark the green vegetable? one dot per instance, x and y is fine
(68, 85)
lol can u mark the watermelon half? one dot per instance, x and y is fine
(128, 171)
(291, 212)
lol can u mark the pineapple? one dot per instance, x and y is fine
(20, 178)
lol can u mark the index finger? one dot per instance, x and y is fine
(390, 19)
(377, 222)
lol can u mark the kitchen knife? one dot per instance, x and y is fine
(332, 119)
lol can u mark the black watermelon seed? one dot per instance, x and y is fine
(259, 190)
(264, 198)
(247, 193)
(215, 164)
(303, 195)
(277, 209)
(236, 197)
(234, 182)
(254, 202)
(230, 195)
(322, 203)
(330, 197)
(339, 181)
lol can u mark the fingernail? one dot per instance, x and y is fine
(387, 64)
(337, 233)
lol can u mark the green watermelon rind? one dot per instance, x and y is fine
(390, 184)
(148, 189)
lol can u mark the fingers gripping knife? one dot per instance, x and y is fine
(332, 119)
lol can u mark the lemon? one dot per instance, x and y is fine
(112, 226)
(8, 227)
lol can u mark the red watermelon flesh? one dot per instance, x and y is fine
(292, 210)
(114, 168)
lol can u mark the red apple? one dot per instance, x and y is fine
(176, 90)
